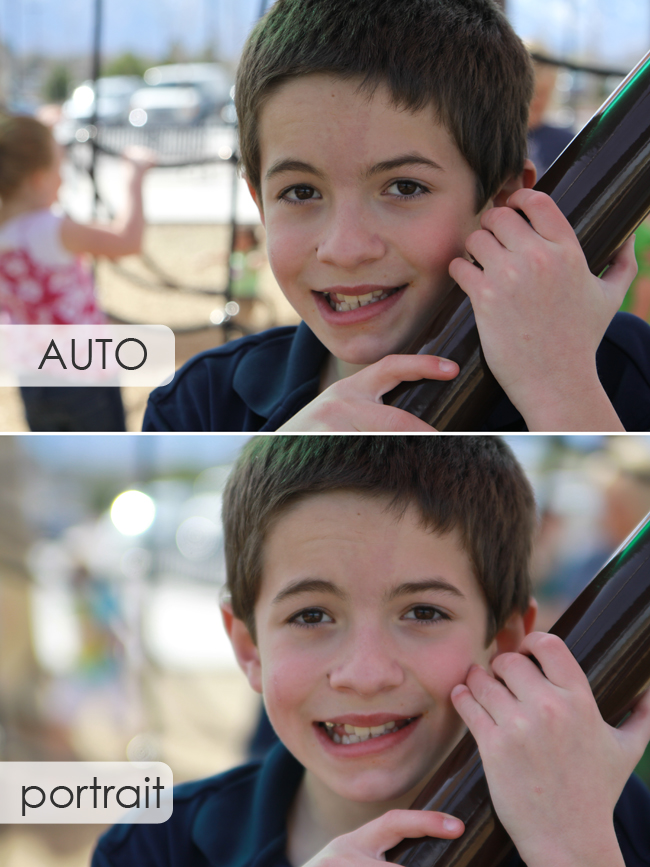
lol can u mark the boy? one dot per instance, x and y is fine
(384, 143)
(370, 578)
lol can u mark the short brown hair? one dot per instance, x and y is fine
(472, 484)
(26, 146)
(461, 56)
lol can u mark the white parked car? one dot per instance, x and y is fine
(169, 105)
(113, 103)
(181, 93)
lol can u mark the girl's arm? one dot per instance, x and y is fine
(123, 237)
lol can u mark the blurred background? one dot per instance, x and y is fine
(111, 73)
(111, 643)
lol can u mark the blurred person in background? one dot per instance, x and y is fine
(626, 501)
(246, 261)
(44, 278)
(546, 141)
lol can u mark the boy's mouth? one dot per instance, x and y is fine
(348, 734)
(342, 303)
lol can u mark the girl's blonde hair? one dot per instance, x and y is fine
(26, 146)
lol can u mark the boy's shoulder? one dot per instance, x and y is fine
(258, 382)
(254, 383)
(239, 818)
(228, 819)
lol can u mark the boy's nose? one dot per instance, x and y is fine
(349, 238)
(366, 667)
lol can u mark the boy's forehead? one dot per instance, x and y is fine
(317, 111)
(311, 523)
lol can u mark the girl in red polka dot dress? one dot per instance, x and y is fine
(44, 278)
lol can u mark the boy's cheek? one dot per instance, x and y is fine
(284, 257)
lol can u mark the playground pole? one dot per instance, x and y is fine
(96, 70)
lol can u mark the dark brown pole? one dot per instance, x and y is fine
(607, 628)
(601, 183)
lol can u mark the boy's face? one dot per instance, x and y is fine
(358, 198)
(364, 620)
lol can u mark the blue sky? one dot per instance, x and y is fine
(614, 32)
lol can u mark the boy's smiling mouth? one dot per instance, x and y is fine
(344, 733)
(343, 302)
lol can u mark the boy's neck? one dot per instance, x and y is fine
(318, 815)
(334, 369)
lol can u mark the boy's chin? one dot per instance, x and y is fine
(362, 356)
(375, 790)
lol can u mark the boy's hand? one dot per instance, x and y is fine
(355, 403)
(541, 313)
(555, 769)
(366, 845)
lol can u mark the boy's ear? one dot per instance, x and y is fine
(525, 181)
(516, 629)
(256, 198)
(246, 651)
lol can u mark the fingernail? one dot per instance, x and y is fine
(451, 824)
(447, 366)
(458, 689)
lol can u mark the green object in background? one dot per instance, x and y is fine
(642, 251)
(244, 283)
(643, 768)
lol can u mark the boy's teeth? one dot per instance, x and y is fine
(342, 303)
(348, 734)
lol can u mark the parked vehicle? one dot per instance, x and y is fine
(166, 105)
(113, 103)
(181, 93)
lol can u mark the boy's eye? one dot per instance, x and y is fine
(426, 613)
(310, 617)
(300, 193)
(407, 189)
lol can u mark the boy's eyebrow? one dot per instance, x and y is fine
(437, 584)
(280, 166)
(307, 585)
(411, 159)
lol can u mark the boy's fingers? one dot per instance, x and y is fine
(390, 829)
(475, 717)
(558, 663)
(508, 227)
(384, 375)
(483, 246)
(637, 726)
(495, 698)
(385, 419)
(623, 267)
(544, 215)
(519, 673)
(466, 274)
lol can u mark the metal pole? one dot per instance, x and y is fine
(96, 70)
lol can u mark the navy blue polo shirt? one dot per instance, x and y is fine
(259, 382)
(238, 819)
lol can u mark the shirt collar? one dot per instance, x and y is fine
(256, 833)
(271, 372)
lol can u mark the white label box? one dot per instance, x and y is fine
(48, 793)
